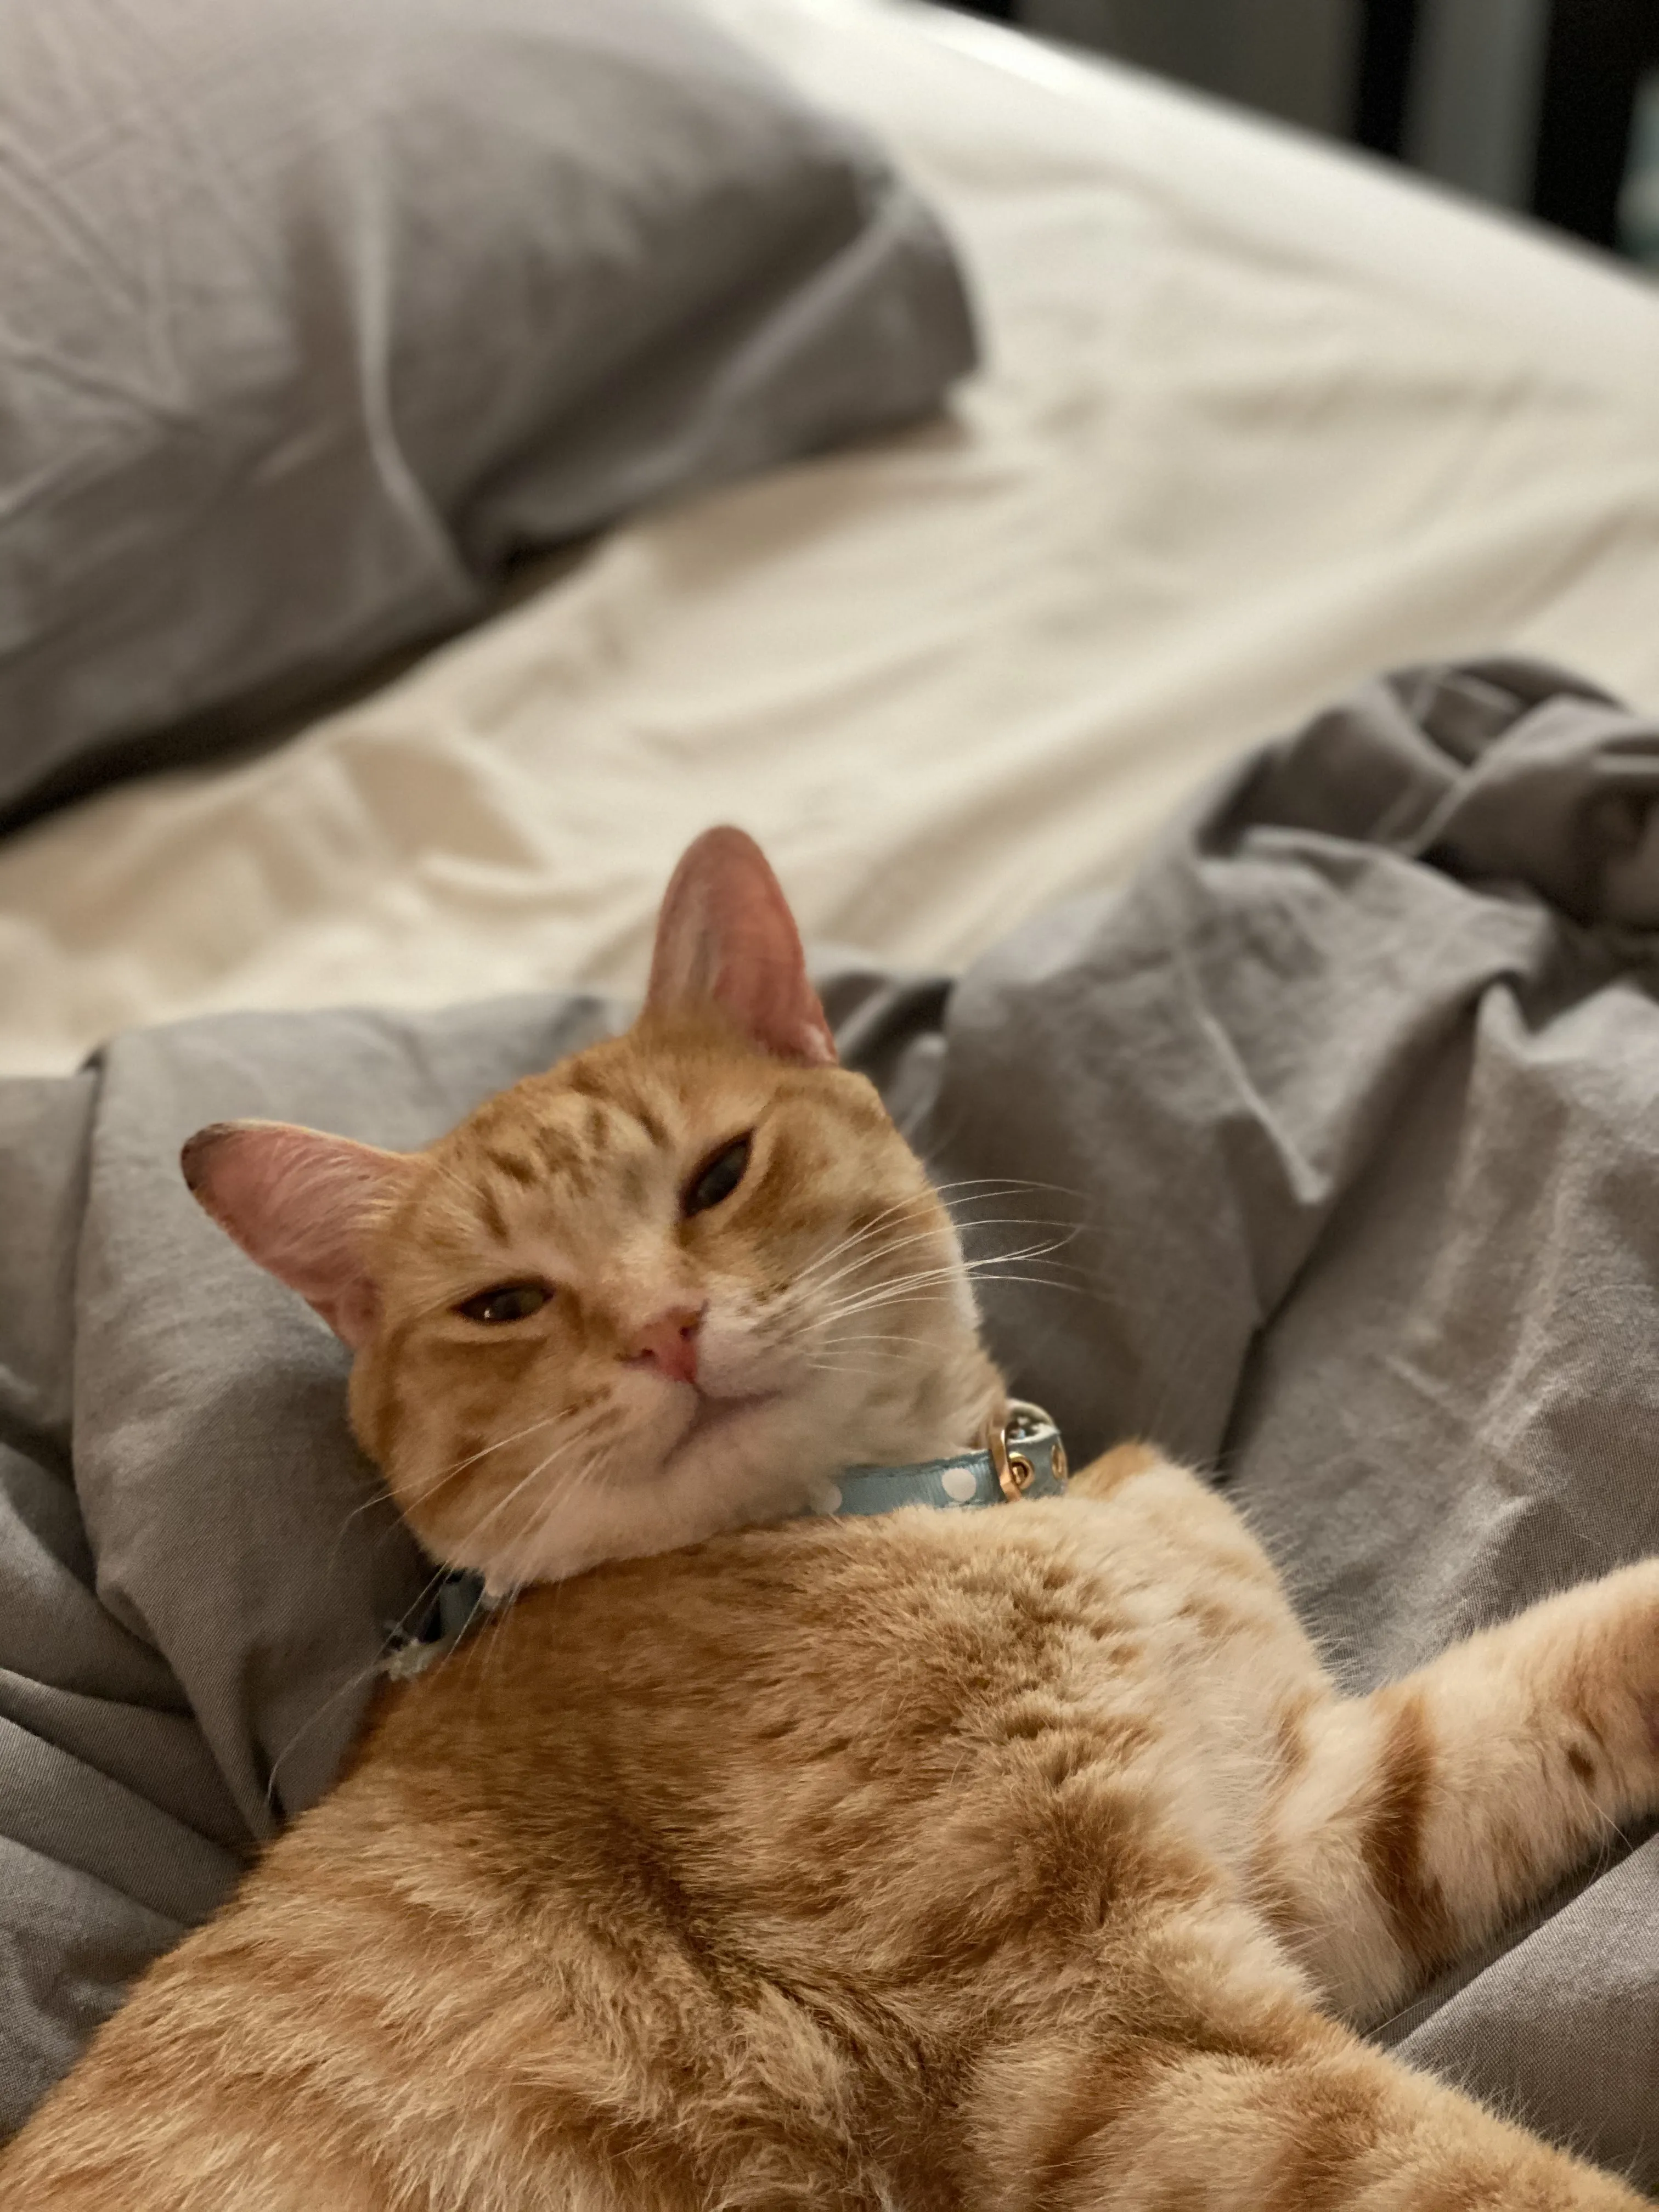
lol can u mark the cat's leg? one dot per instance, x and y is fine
(1412, 1823)
(1301, 2118)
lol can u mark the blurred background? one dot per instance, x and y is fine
(1549, 106)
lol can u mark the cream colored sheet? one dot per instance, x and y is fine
(1256, 419)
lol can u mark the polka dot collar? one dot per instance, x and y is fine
(1024, 1458)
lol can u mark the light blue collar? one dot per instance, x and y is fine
(1024, 1458)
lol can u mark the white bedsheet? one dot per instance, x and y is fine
(1256, 419)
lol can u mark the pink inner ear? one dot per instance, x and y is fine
(298, 1201)
(726, 934)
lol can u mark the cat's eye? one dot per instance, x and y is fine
(716, 1178)
(506, 1302)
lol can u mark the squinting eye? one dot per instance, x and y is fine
(717, 1178)
(506, 1301)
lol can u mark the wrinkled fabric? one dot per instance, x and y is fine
(1325, 1154)
(313, 315)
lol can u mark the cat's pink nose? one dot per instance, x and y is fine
(670, 1343)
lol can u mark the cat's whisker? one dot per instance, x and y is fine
(958, 1219)
(862, 1363)
(948, 1269)
(907, 1285)
(380, 1496)
(1064, 1232)
(984, 1270)
(820, 1276)
(980, 1268)
(560, 1493)
(477, 1526)
(907, 1289)
(881, 1336)
(499, 1443)
(995, 1267)
(858, 1364)
(423, 1596)
(904, 1291)
(353, 1682)
(812, 1272)
(996, 1188)
(516, 1491)
(931, 1235)
(1009, 1183)
(1092, 1291)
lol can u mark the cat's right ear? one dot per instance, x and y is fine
(298, 1203)
(726, 936)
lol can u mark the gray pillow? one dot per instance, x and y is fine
(312, 314)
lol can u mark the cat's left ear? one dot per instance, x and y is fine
(298, 1203)
(726, 934)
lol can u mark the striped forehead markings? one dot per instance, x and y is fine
(602, 1131)
(514, 1166)
(490, 1213)
(647, 1120)
(584, 1084)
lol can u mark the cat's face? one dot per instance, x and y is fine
(669, 1287)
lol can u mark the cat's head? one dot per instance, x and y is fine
(669, 1287)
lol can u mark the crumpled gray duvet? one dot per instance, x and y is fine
(1343, 1125)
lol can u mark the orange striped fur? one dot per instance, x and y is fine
(1021, 1859)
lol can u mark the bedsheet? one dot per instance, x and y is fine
(1325, 1154)
(1256, 418)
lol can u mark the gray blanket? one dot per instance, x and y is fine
(1340, 1124)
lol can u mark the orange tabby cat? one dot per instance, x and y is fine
(1013, 1858)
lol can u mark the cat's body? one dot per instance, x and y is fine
(1023, 1857)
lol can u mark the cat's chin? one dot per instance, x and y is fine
(715, 1418)
(739, 1462)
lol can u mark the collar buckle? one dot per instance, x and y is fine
(1022, 1444)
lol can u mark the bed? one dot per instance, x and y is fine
(1255, 419)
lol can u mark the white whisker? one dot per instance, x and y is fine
(929, 1234)
(996, 1189)
(501, 1443)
